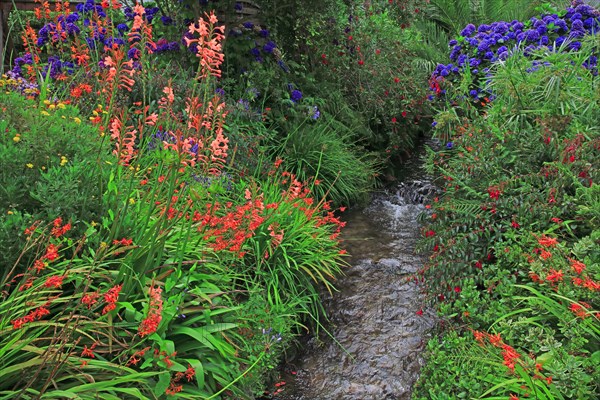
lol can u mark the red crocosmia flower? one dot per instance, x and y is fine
(88, 352)
(577, 266)
(478, 265)
(457, 289)
(495, 340)
(513, 397)
(396, 79)
(190, 372)
(111, 297)
(404, 114)
(420, 312)
(377, 51)
(555, 276)
(547, 241)
(150, 324)
(51, 253)
(579, 310)
(54, 281)
(394, 120)
(510, 357)
(545, 254)
(361, 62)
(123, 242)
(515, 224)
(89, 299)
(479, 336)
(591, 285)
(39, 265)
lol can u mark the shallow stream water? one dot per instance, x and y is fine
(378, 323)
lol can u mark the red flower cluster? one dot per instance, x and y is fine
(57, 229)
(111, 297)
(34, 315)
(509, 354)
(150, 324)
(174, 387)
(54, 281)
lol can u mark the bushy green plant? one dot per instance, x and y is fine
(366, 54)
(318, 153)
(53, 164)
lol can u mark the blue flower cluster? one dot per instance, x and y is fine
(479, 47)
(296, 95)
(149, 13)
(57, 67)
(25, 59)
(51, 32)
(157, 139)
(89, 8)
(163, 45)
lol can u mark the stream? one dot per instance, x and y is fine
(377, 316)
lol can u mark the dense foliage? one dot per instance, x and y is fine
(515, 268)
(154, 244)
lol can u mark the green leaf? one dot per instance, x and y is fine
(164, 379)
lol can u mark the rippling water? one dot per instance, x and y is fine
(379, 334)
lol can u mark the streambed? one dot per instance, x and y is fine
(377, 318)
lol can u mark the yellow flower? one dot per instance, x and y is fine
(63, 160)
(29, 165)
(51, 106)
(43, 168)
(10, 213)
(47, 102)
(131, 200)
(77, 120)
(45, 113)
(17, 138)
(61, 106)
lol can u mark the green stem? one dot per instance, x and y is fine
(237, 379)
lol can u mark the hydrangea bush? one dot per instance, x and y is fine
(480, 49)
